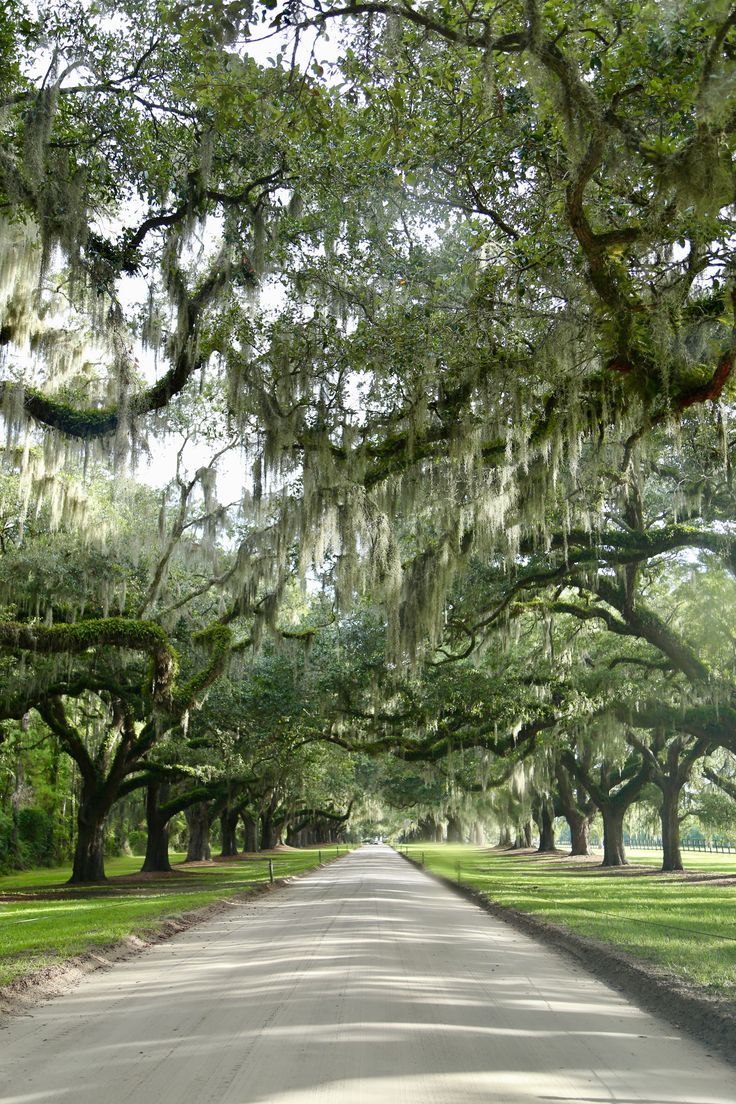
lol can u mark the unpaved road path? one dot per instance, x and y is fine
(363, 983)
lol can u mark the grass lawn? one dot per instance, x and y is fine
(43, 921)
(687, 925)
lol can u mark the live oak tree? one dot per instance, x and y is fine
(126, 709)
(125, 728)
(655, 576)
(264, 730)
(671, 757)
(108, 683)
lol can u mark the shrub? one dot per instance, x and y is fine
(137, 840)
(36, 836)
(7, 855)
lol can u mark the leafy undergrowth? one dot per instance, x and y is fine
(682, 923)
(44, 921)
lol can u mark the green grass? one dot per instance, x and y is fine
(688, 927)
(50, 921)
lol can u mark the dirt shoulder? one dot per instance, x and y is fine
(711, 1020)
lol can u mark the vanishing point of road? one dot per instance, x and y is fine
(365, 982)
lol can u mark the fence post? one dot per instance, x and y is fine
(458, 873)
(320, 857)
(270, 871)
(422, 858)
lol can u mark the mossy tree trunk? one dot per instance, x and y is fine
(544, 818)
(89, 850)
(229, 818)
(268, 834)
(198, 822)
(250, 826)
(614, 852)
(577, 808)
(670, 815)
(157, 823)
(579, 833)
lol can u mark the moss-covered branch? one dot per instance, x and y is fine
(110, 632)
(432, 749)
(217, 639)
(86, 423)
(724, 784)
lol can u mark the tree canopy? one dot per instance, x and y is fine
(445, 292)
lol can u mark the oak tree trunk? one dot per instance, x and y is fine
(198, 822)
(579, 833)
(89, 850)
(251, 833)
(228, 825)
(268, 835)
(546, 824)
(614, 853)
(157, 843)
(672, 856)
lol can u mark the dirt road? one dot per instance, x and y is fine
(364, 982)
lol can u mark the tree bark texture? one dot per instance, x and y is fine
(672, 855)
(579, 833)
(250, 824)
(268, 834)
(89, 851)
(614, 853)
(228, 826)
(198, 822)
(545, 820)
(157, 843)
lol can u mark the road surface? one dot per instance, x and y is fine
(363, 983)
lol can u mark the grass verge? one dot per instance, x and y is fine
(45, 922)
(684, 924)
